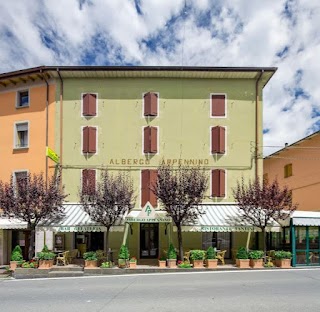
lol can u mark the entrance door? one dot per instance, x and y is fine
(149, 240)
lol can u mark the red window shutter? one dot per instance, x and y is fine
(153, 140)
(147, 140)
(85, 140)
(88, 181)
(92, 148)
(89, 104)
(218, 183)
(150, 104)
(153, 180)
(145, 178)
(218, 106)
(218, 140)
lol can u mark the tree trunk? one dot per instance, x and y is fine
(180, 242)
(107, 243)
(31, 243)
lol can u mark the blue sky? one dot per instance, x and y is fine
(260, 33)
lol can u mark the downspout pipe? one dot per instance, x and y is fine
(61, 125)
(47, 123)
(257, 126)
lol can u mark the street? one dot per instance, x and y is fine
(273, 290)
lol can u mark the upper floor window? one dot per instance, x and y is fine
(23, 98)
(21, 135)
(288, 170)
(218, 183)
(89, 104)
(150, 140)
(89, 140)
(20, 179)
(218, 105)
(148, 181)
(88, 181)
(150, 104)
(218, 140)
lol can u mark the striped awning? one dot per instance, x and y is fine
(224, 218)
(75, 219)
(304, 218)
(12, 224)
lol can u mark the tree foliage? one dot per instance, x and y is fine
(32, 200)
(180, 191)
(109, 200)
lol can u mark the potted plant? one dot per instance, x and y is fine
(283, 259)
(162, 262)
(256, 259)
(197, 256)
(90, 259)
(242, 258)
(133, 263)
(172, 257)
(123, 257)
(184, 265)
(16, 258)
(46, 258)
(106, 265)
(211, 260)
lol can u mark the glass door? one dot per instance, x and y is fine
(149, 240)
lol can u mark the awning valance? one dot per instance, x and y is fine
(75, 219)
(224, 218)
(12, 224)
(305, 218)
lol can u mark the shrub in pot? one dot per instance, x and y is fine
(256, 258)
(123, 256)
(172, 257)
(211, 260)
(162, 262)
(242, 258)
(283, 259)
(133, 263)
(90, 259)
(16, 257)
(197, 256)
(46, 258)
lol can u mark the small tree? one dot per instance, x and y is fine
(32, 200)
(180, 191)
(109, 201)
(263, 202)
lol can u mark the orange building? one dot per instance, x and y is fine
(297, 166)
(27, 121)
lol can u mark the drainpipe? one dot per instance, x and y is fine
(257, 124)
(47, 123)
(61, 124)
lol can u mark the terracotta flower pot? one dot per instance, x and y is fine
(91, 263)
(14, 265)
(172, 263)
(45, 264)
(283, 263)
(256, 263)
(162, 263)
(197, 264)
(243, 263)
(212, 263)
(133, 265)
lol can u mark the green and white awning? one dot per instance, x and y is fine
(12, 224)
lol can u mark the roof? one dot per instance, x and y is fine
(48, 72)
(293, 144)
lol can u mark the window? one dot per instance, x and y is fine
(288, 170)
(218, 187)
(88, 181)
(218, 140)
(23, 98)
(89, 104)
(148, 180)
(150, 140)
(89, 140)
(21, 138)
(218, 105)
(150, 104)
(20, 179)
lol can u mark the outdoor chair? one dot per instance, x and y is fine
(72, 254)
(62, 258)
(186, 257)
(220, 256)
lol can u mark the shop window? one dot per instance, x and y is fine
(89, 140)
(288, 170)
(218, 105)
(218, 140)
(148, 180)
(218, 188)
(89, 104)
(150, 140)
(22, 98)
(21, 136)
(88, 181)
(150, 104)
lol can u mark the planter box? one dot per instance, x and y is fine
(172, 263)
(14, 265)
(256, 263)
(45, 264)
(283, 263)
(122, 263)
(197, 264)
(162, 263)
(91, 263)
(243, 263)
(212, 263)
(133, 265)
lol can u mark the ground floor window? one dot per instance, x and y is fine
(21, 238)
(89, 241)
(218, 240)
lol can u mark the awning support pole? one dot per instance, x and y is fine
(248, 240)
(125, 235)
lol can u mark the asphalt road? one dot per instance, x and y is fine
(276, 290)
